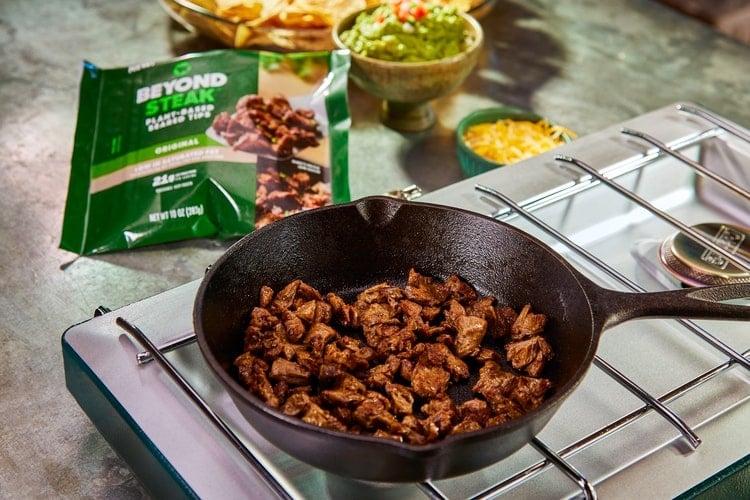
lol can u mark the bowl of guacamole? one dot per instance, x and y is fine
(408, 53)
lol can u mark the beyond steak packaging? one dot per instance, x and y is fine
(213, 144)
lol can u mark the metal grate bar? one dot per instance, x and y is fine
(692, 163)
(205, 408)
(570, 471)
(716, 120)
(696, 236)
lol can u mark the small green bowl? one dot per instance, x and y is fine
(474, 164)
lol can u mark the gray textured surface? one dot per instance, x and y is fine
(584, 63)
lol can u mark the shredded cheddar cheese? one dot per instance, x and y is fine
(508, 141)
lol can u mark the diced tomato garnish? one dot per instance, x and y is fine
(408, 10)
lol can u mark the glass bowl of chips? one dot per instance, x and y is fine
(284, 25)
(289, 25)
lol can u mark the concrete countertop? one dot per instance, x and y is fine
(584, 63)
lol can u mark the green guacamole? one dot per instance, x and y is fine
(381, 35)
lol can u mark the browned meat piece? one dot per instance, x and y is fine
(314, 311)
(508, 393)
(484, 308)
(529, 392)
(341, 397)
(306, 292)
(317, 196)
(276, 346)
(503, 409)
(467, 425)
(262, 318)
(506, 316)
(424, 290)
(496, 386)
(295, 118)
(406, 369)
(474, 409)
(285, 297)
(345, 314)
(318, 336)
(295, 328)
(376, 334)
(487, 354)
(440, 416)
(394, 340)
(296, 404)
(494, 383)
(380, 293)
(441, 333)
(470, 332)
(318, 416)
(344, 414)
(289, 371)
(252, 372)
(377, 314)
(349, 382)
(429, 313)
(429, 381)
(253, 339)
(374, 413)
(265, 296)
(299, 180)
(351, 343)
(460, 290)
(329, 373)
(454, 311)
(307, 360)
(361, 355)
(436, 354)
(268, 217)
(440, 423)
(284, 200)
(529, 355)
(379, 375)
(528, 323)
(282, 390)
(443, 404)
(354, 360)
(279, 104)
(410, 309)
(402, 398)
(380, 433)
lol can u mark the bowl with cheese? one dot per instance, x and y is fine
(493, 137)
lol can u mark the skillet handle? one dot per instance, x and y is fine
(616, 307)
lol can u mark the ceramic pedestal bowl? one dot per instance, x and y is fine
(407, 88)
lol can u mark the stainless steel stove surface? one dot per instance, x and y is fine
(606, 440)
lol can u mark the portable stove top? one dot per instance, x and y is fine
(663, 412)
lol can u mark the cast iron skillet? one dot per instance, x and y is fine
(347, 248)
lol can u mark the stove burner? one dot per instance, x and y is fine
(696, 265)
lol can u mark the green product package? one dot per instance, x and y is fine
(213, 144)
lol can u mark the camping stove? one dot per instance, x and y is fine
(662, 413)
